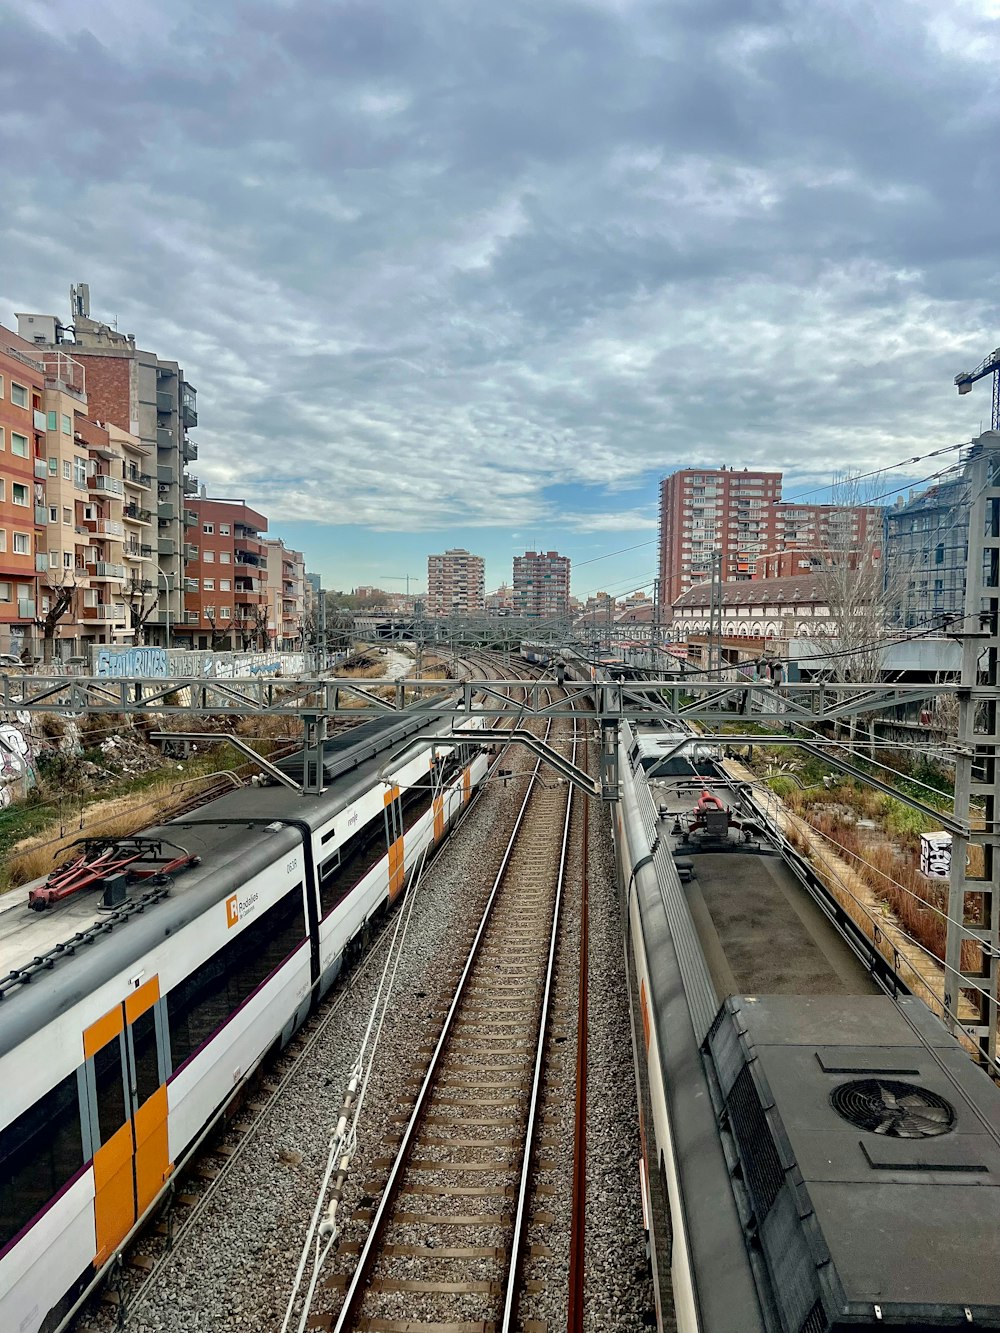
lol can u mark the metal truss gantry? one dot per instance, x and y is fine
(807, 702)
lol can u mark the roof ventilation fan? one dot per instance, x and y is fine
(899, 1110)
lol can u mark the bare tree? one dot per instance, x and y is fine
(220, 637)
(857, 590)
(141, 600)
(60, 586)
(262, 635)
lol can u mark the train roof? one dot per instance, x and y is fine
(235, 836)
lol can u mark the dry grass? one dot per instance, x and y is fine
(38, 855)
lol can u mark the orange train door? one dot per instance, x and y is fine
(437, 803)
(126, 1068)
(394, 837)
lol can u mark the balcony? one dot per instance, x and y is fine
(190, 518)
(189, 405)
(25, 608)
(190, 485)
(244, 584)
(104, 570)
(190, 585)
(41, 469)
(41, 563)
(132, 553)
(110, 527)
(165, 439)
(166, 511)
(167, 546)
(166, 474)
(191, 617)
(190, 451)
(38, 420)
(190, 552)
(41, 514)
(107, 485)
(165, 402)
(140, 585)
(135, 514)
(133, 477)
(108, 611)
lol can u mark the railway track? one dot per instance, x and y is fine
(119, 1296)
(449, 1233)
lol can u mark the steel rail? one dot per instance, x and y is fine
(509, 1310)
(370, 1247)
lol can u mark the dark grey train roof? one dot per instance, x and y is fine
(236, 837)
(231, 856)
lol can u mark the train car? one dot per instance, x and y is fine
(819, 1154)
(124, 1031)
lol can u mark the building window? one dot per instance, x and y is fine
(18, 394)
(1, 386)
(223, 529)
(225, 585)
(3, 490)
(6, 592)
(67, 559)
(3, 539)
(208, 557)
(224, 612)
(53, 467)
(79, 470)
(67, 470)
(19, 494)
(208, 585)
(52, 420)
(2, 438)
(224, 558)
(53, 513)
(208, 527)
(68, 517)
(22, 543)
(18, 444)
(67, 425)
(209, 612)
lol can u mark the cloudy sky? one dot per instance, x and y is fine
(478, 272)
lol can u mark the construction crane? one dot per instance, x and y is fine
(991, 366)
(400, 578)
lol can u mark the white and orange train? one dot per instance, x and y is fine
(123, 1032)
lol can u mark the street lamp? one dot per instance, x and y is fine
(166, 602)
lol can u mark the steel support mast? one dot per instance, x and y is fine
(974, 890)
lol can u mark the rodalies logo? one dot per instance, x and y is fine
(238, 909)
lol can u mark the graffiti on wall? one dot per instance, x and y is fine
(17, 758)
(130, 662)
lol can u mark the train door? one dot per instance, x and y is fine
(438, 801)
(394, 839)
(125, 1113)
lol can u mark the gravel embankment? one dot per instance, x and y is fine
(619, 1292)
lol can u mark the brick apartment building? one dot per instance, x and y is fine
(225, 584)
(741, 516)
(456, 583)
(286, 591)
(541, 584)
(73, 526)
(150, 399)
(705, 510)
(22, 501)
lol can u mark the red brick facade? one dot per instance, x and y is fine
(107, 387)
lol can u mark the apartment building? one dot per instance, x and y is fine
(501, 601)
(286, 594)
(541, 584)
(840, 528)
(714, 510)
(225, 579)
(23, 473)
(150, 399)
(456, 583)
(927, 548)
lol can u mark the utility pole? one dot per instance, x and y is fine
(974, 899)
(321, 631)
(715, 614)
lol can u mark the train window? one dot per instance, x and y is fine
(111, 1114)
(357, 855)
(147, 1070)
(417, 799)
(202, 1002)
(39, 1152)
